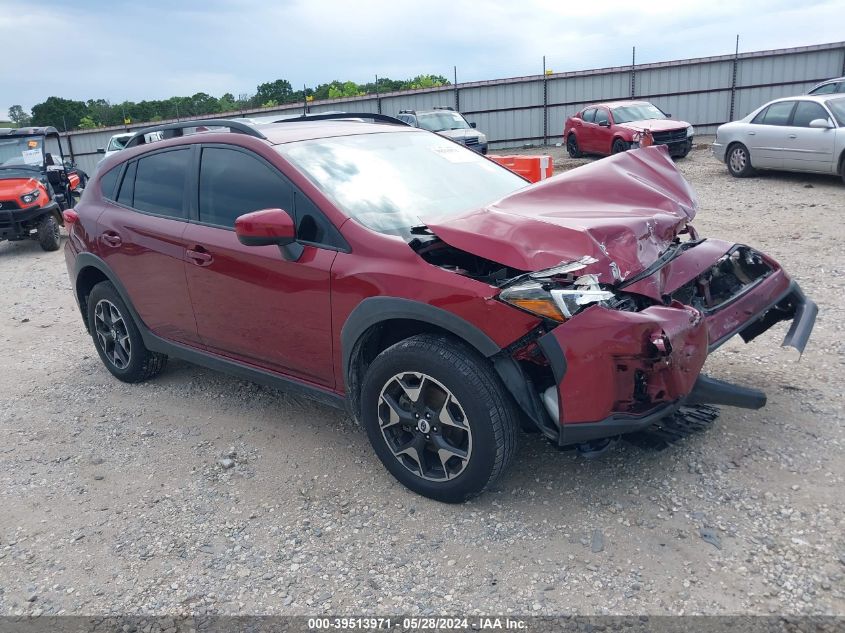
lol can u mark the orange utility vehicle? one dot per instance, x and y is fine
(36, 185)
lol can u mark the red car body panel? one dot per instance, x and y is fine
(250, 305)
(574, 214)
(595, 139)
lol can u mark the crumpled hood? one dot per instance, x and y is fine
(623, 211)
(655, 125)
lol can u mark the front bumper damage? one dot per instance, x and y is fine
(618, 372)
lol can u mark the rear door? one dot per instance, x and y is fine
(809, 148)
(141, 241)
(587, 135)
(252, 304)
(766, 135)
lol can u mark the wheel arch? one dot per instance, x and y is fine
(733, 144)
(379, 322)
(91, 270)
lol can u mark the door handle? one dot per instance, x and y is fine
(112, 239)
(199, 257)
(752, 133)
(793, 136)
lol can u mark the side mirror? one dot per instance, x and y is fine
(473, 125)
(265, 228)
(821, 123)
(101, 150)
(604, 124)
(668, 115)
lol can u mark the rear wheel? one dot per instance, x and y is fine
(739, 161)
(438, 417)
(572, 146)
(117, 338)
(619, 146)
(48, 233)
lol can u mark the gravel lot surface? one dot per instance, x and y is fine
(118, 498)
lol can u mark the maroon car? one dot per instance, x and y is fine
(617, 126)
(438, 296)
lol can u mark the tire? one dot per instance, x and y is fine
(738, 160)
(572, 147)
(441, 379)
(49, 236)
(117, 338)
(619, 146)
(842, 168)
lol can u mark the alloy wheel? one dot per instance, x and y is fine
(738, 159)
(424, 426)
(112, 334)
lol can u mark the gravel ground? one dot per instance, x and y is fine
(117, 498)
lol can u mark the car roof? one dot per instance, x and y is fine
(29, 131)
(616, 104)
(290, 132)
(816, 98)
(828, 81)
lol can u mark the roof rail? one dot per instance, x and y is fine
(178, 129)
(444, 108)
(343, 115)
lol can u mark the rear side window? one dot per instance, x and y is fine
(127, 187)
(108, 181)
(825, 89)
(233, 183)
(160, 183)
(589, 115)
(807, 111)
(775, 114)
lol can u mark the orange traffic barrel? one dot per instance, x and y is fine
(534, 168)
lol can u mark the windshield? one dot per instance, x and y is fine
(21, 151)
(637, 112)
(837, 107)
(442, 120)
(118, 142)
(391, 182)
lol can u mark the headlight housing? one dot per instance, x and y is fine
(690, 131)
(29, 198)
(482, 138)
(557, 304)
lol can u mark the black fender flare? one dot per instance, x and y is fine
(89, 260)
(375, 310)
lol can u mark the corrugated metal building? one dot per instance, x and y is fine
(531, 110)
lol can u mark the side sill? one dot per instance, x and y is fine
(242, 370)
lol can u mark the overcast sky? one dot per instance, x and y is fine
(160, 48)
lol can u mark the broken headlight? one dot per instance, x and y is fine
(550, 302)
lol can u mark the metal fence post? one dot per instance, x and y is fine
(545, 105)
(733, 80)
(378, 98)
(457, 96)
(633, 71)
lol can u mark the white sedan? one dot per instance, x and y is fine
(805, 133)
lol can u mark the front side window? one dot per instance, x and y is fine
(837, 107)
(233, 183)
(807, 111)
(160, 183)
(393, 181)
(601, 116)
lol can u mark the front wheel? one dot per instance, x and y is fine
(572, 146)
(48, 233)
(619, 146)
(739, 161)
(438, 417)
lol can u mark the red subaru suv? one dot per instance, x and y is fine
(443, 299)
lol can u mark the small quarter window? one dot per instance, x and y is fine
(108, 181)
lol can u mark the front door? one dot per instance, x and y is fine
(141, 240)
(251, 304)
(809, 148)
(765, 136)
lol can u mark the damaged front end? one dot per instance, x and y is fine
(623, 330)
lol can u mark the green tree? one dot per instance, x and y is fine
(279, 91)
(59, 113)
(18, 116)
(427, 81)
(227, 103)
(87, 123)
